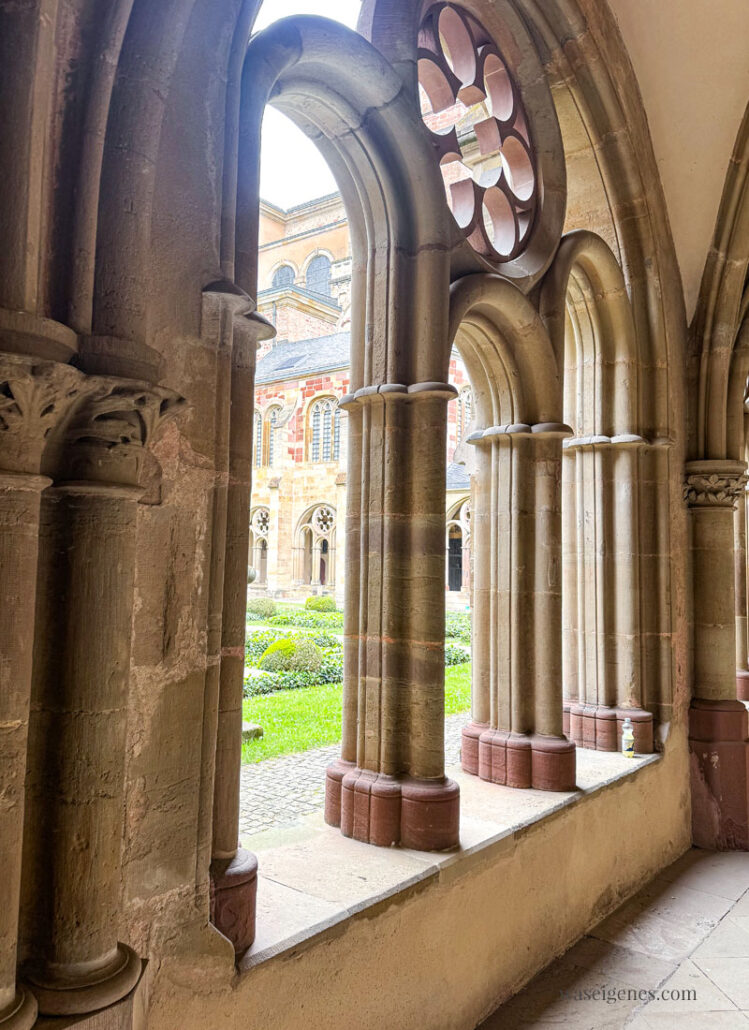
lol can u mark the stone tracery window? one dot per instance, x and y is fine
(473, 108)
(325, 430)
(258, 550)
(315, 547)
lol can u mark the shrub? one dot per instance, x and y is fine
(309, 620)
(292, 654)
(456, 655)
(262, 607)
(257, 643)
(458, 626)
(324, 640)
(320, 604)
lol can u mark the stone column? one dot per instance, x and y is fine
(396, 792)
(606, 569)
(34, 397)
(524, 743)
(742, 669)
(273, 584)
(234, 870)
(717, 720)
(72, 879)
(340, 539)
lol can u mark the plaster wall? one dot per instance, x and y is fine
(451, 950)
(691, 60)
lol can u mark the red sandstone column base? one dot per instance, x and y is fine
(22, 1013)
(387, 810)
(234, 898)
(719, 759)
(527, 760)
(742, 685)
(599, 727)
(469, 746)
(79, 992)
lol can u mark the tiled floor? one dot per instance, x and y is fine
(688, 930)
(278, 791)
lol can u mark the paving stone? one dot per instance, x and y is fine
(280, 790)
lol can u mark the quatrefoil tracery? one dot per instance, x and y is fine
(470, 102)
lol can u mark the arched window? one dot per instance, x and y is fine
(465, 414)
(318, 275)
(257, 440)
(258, 553)
(325, 430)
(273, 419)
(283, 276)
(315, 547)
(459, 547)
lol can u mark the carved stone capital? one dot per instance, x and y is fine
(35, 397)
(106, 435)
(714, 484)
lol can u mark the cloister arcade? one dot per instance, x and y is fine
(607, 512)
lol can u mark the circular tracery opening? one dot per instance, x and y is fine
(473, 108)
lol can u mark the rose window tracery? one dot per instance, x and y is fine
(323, 520)
(474, 111)
(261, 522)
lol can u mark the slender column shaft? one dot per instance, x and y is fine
(481, 539)
(570, 628)
(19, 545)
(82, 668)
(234, 870)
(740, 581)
(714, 614)
(547, 460)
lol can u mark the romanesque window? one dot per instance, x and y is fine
(283, 276)
(318, 275)
(325, 430)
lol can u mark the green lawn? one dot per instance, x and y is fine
(297, 720)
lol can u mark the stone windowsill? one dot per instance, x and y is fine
(312, 878)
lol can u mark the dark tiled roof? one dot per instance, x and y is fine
(301, 359)
(457, 477)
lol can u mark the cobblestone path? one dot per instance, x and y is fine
(279, 790)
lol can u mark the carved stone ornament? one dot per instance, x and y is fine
(35, 397)
(714, 484)
(107, 434)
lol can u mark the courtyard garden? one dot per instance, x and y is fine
(294, 670)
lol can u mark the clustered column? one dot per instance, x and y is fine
(601, 554)
(72, 845)
(718, 728)
(34, 397)
(516, 734)
(389, 786)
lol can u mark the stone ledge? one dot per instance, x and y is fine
(313, 879)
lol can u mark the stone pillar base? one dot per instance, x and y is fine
(599, 727)
(742, 684)
(719, 760)
(387, 810)
(234, 898)
(130, 1013)
(22, 1013)
(74, 995)
(527, 760)
(333, 787)
(469, 746)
